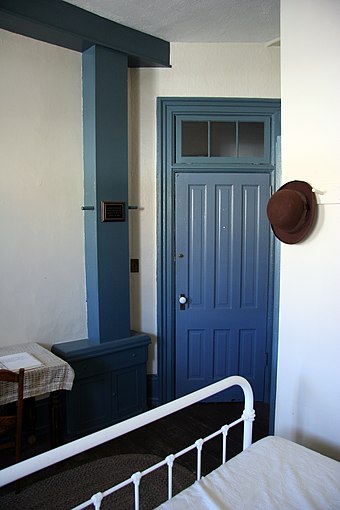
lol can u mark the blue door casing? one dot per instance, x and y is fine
(172, 160)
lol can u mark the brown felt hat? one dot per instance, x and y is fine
(291, 211)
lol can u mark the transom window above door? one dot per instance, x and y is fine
(232, 140)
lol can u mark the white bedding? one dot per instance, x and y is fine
(271, 474)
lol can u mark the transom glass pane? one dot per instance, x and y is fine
(251, 139)
(195, 138)
(230, 139)
(223, 139)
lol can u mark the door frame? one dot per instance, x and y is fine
(167, 110)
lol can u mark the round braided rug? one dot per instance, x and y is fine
(74, 486)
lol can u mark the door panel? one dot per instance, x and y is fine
(223, 253)
(222, 257)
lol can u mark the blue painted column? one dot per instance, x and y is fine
(106, 178)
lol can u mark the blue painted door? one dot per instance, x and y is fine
(222, 262)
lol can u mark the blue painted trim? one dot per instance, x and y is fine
(87, 349)
(276, 300)
(90, 217)
(63, 24)
(167, 109)
(275, 338)
(106, 179)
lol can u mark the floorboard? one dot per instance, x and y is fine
(165, 436)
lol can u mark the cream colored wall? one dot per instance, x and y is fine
(42, 260)
(307, 407)
(42, 290)
(210, 70)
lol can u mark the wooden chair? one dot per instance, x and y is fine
(10, 420)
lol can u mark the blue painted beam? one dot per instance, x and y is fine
(106, 179)
(66, 25)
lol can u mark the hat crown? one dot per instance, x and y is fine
(287, 210)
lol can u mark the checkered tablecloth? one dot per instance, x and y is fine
(54, 373)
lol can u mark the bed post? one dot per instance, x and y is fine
(248, 413)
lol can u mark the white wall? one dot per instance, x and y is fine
(307, 408)
(213, 70)
(42, 282)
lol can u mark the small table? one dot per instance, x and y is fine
(52, 376)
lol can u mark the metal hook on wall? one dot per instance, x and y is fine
(318, 191)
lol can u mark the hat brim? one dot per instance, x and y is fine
(296, 237)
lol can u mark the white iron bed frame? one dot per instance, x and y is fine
(266, 483)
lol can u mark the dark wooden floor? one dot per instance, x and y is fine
(166, 436)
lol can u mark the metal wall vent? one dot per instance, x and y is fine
(112, 211)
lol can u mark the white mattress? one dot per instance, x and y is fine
(272, 474)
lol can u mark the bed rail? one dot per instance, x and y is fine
(68, 450)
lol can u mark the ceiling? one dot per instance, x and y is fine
(251, 21)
